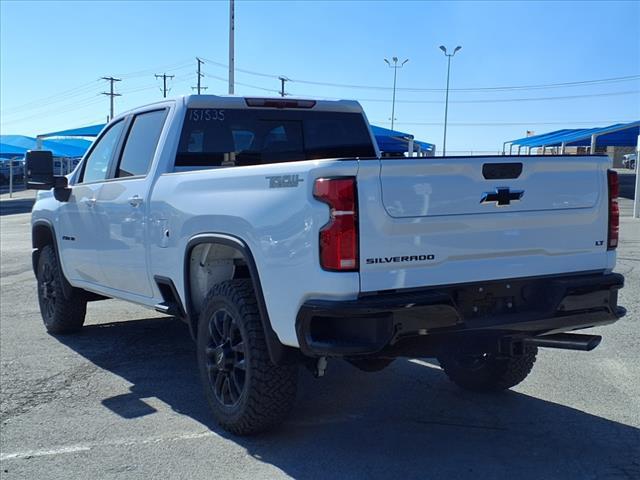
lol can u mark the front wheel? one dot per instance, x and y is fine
(487, 372)
(247, 393)
(61, 314)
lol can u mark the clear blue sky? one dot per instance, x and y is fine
(53, 53)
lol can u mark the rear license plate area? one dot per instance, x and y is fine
(490, 299)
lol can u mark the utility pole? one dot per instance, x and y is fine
(111, 81)
(232, 57)
(636, 199)
(164, 77)
(282, 82)
(446, 101)
(200, 75)
(395, 67)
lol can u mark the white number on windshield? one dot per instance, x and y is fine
(205, 115)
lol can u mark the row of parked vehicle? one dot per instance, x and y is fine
(62, 166)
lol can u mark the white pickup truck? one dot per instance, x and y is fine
(277, 232)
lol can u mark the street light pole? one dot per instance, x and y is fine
(395, 67)
(446, 101)
(232, 53)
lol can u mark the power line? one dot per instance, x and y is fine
(57, 111)
(250, 72)
(222, 79)
(510, 100)
(83, 103)
(55, 98)
(150, 86)
(499, 100)
(86, 87)
(65, 95)
(111, 94)
(477, 89)
(86, 102)
(164, 77)
(492, 100)
(410, 89)
(150, 71)
(510, 124)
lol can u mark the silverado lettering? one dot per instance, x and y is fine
(404, 258)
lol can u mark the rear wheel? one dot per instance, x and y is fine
(247, 393)
(487, 372)
(60, 314)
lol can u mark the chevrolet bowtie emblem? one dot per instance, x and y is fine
(502, 196)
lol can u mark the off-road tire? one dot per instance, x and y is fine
(268, 391)
(60, 314)
(489, 373)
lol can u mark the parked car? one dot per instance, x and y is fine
(273, 228)
(629, 161)
(6, 170)
(64, 166)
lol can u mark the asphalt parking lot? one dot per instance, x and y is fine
(123, 399)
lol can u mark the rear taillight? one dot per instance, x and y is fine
(339, 237)
(614, 210)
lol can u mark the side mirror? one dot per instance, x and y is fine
(39, 166)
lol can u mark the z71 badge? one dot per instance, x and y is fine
(284, 181)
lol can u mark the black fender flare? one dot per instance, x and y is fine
(67, 288)
(280, 354)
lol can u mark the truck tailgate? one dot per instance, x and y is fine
(440, 221)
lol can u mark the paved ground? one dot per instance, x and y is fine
(122, 399)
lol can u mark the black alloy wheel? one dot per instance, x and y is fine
(226, 356)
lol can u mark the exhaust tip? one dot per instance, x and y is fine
(566, 341)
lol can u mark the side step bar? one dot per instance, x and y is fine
(172, 305)
(168, 309)
(567, 341)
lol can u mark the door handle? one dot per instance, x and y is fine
(89, 202)
(135, 201)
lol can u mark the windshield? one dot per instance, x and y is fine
(234, 137)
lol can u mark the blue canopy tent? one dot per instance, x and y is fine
(90, 131)
(398, 143)
(72, 137)
(59, 148)
(618, 135)
(544, 137)
(11, 151)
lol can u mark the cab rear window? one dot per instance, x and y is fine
(235, 137)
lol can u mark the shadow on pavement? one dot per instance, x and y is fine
(12, 207)
(627, 185)
(405, 422)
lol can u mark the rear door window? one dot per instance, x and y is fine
(237, 137)
(141, 144)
